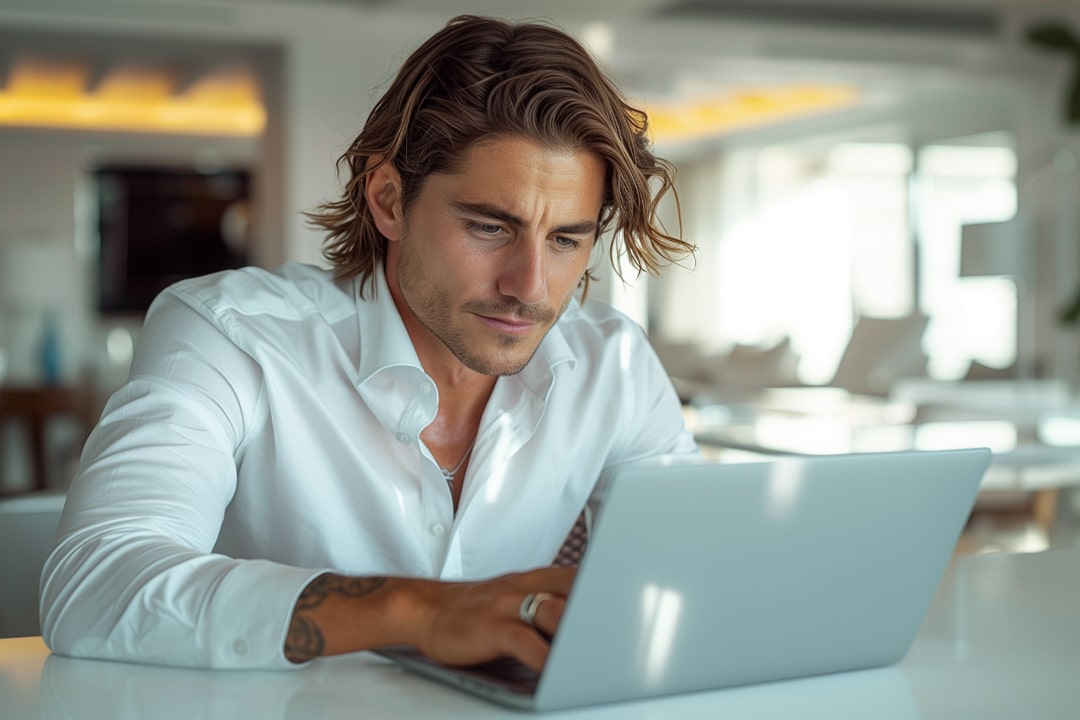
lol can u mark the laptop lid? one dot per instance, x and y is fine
(713, 575)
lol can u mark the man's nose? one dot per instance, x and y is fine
(525, 277)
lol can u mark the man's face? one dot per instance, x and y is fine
(490, 255)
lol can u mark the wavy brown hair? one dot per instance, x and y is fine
(479, 78)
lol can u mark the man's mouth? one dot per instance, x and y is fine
(512, 319)
(509, 325)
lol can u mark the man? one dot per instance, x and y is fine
(309, 462)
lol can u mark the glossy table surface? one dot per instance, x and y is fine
(1002, 640)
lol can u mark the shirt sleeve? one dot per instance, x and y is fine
(133, 575)
(654, 426)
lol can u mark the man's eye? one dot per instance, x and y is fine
(486, 228)
(568, 243)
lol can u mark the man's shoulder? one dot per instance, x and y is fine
(595, 318)
(593, 329)
(292, 289)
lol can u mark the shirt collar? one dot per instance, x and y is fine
(384, 341)
(553, 352)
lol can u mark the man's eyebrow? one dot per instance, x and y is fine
(585, 227)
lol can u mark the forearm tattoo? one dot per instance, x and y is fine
(305, 639)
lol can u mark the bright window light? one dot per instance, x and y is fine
(798, 241)
(972, 319)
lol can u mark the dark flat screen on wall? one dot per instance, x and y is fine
(160, 225)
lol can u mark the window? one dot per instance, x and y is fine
(797, 241)
(962, 182)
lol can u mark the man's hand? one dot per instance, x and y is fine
(468, 623)
(456, 623)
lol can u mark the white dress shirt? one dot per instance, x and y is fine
(270, 431)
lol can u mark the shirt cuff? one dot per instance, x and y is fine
(255, 636)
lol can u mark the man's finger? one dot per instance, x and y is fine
(522, 642)
(549, 614)
(556, 580)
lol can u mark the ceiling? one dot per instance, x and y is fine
(684, 65)
(960, 17)
(866, 10)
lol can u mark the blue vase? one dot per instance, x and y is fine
(49, 352)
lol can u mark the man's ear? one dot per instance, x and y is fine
(382, 189)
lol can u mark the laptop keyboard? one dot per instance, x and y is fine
(508, 672)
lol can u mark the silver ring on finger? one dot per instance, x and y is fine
(530, 605)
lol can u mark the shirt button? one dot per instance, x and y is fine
(239, 647)
(426, 388)
(403, 438)
(438, 529)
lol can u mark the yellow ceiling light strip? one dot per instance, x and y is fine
(746, 108)
(130, 102)
(175, 117)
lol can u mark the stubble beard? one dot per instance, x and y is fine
(431, 305)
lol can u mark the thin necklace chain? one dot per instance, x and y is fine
(449, 474)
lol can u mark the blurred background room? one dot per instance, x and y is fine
(884, 194)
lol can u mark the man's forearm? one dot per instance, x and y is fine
(457, 623)
(337, 614)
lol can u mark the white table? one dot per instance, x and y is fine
(1002, 640)
(1034, 447)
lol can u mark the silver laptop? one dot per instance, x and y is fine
(708, 576)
